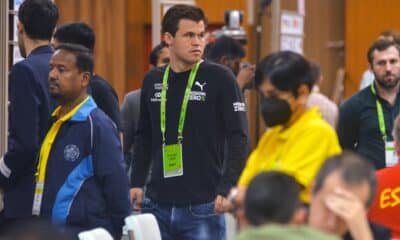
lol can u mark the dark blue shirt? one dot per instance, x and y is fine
(29, 113)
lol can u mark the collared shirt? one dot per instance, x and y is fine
(29, 112)
(358, 127)
(298, 150)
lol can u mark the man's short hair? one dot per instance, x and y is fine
(39, 17)
(381, 45)
(224, 46)
(272, 197)
(286, 71)
(155, 53)
(77, 33)
(391, 34)
(353, 170)
(178, 12)
(84, 57)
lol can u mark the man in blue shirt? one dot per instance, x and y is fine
(81, 182)
(30, 107)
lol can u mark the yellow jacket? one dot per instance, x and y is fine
(298, 150)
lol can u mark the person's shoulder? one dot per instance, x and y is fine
(310, 233)
(23, 71)
(314, 120)
(99, 81)
(213, 67)
(319, 97)
(283, 232)
(394, 170)
(132, 96)
(25, 64)
(155, 73)
(357, 99)
(220, 72)
(101, 120)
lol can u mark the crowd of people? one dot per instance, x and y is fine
(179, 147)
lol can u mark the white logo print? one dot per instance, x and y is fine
(201, 86)
(239, 107)
(71, 153)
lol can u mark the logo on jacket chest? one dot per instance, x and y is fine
(71, 153)
(195, 95)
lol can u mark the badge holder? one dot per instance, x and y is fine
(390, 154)
(172, 160)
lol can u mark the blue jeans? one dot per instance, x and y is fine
(195, 222)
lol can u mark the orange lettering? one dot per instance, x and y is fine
(385, 195)
(395, 197)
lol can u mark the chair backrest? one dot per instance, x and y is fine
(95, 234)
(142, 226)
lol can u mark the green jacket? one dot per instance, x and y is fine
(283, 232)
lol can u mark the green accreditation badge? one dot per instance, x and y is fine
(390, 154)
(172, 160)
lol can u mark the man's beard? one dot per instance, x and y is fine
(387, 84)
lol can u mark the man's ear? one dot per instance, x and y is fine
(370, 67)
(303, 90)
(86, 76)
(20, 27)
(168, 38)
(299, 216)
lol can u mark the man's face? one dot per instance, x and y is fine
(66, 81)
(386, 67)
(163, 57)
(320, 215)
(188, 44)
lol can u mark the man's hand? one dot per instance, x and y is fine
(136, 198)
(220, 204)
(350, 208)
(245, 75)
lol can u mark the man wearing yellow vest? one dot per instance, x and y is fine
(80, 181)
(297, 140)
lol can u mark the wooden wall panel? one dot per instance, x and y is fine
(324, 38)
(365, 19)
(108, 19)
(136, 44)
